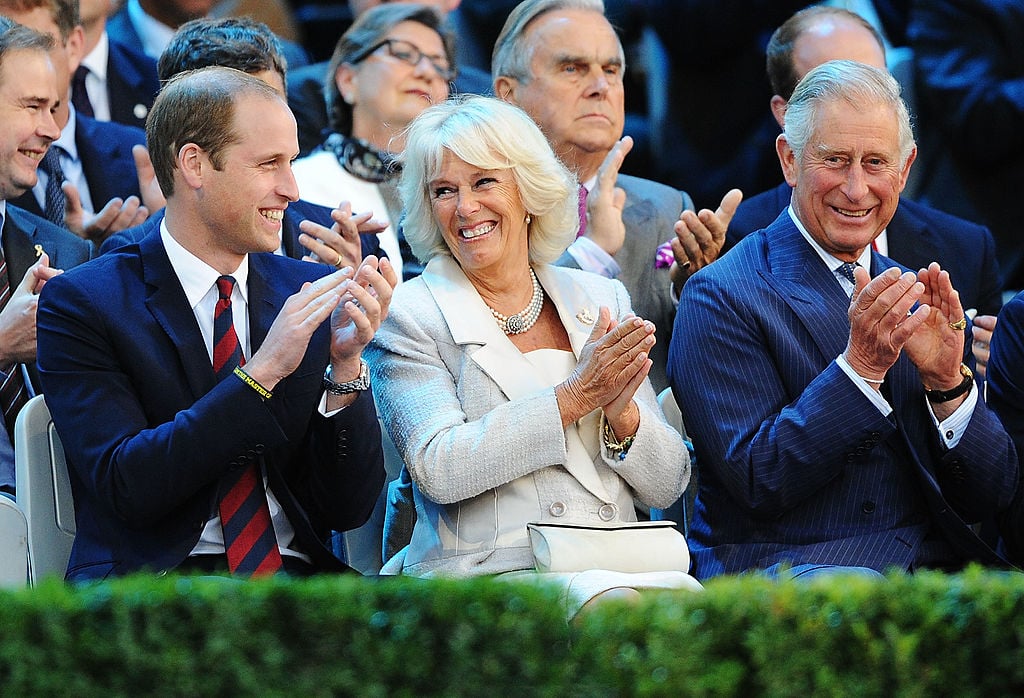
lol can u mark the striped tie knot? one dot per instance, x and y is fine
(227, 351)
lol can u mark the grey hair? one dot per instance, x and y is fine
(856, 83)
(512, 53)
(492, 135)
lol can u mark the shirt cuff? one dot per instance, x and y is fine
(954, 426)
(870, 393)
(589, 255)
(322, 407)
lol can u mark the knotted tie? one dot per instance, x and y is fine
(583, 211)
(13, 391)
(54, 194)
(79, 95)
(846, 270)
(249, 540)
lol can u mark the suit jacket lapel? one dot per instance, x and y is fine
(267, 293)
(19, 240)
(811, 290)
(166, 300)
(471, 323)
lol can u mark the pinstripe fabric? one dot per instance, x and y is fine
(795, 463)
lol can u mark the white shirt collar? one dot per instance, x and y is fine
(67, 135)
(96, 60)
(154, 35)
(196, 276)
(832, 262)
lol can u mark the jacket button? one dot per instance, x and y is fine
(868, 507)
(259, 449)
(607, 512)
(557, 509)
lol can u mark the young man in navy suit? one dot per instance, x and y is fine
(836, 423)
(141, 336)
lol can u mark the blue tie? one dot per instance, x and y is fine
(846, 270)
(54, 193)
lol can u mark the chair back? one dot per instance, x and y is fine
(682, 509)
(13, 545)
(44, 491)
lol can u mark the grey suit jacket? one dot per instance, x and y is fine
(482, 437)
(651, 211)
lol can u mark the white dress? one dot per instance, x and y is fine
(583, 447)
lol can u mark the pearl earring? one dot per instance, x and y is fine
(528, 219)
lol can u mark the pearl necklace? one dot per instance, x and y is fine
(525, 318)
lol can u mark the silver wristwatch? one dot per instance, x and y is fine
(352, 386)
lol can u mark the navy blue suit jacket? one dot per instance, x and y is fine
(105, 149)
(22, 233)
(120, 28)
(296, 212)
(132, 84)
(917, 234)
(118, 338)
(796, 464)
(1006, 398)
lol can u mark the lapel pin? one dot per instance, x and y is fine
(585, 317)
(39, 251)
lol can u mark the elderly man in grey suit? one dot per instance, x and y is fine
(562, 63)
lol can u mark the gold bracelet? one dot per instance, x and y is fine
(617, 448)
(253, 383)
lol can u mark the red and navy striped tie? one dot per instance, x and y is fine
(249, 540)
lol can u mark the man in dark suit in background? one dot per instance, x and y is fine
(206, 353)
(243, 44)
(101, 192)
(582, 113)
(917, 234)
(119, 83)
(33, 249)
(147, 25)
(835, 433)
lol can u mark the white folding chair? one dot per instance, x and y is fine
(43, 490)
(13, 545)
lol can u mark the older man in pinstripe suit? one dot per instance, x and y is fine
(836, 424)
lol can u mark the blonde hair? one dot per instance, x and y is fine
(492, 135)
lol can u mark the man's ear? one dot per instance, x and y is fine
(906, 168)
(778, 105)
(191, 163)
(505, 89)
(787, 158)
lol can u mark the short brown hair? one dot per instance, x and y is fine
(197, 107)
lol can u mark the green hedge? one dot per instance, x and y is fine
(927, 635)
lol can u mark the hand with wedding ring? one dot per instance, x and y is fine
(339, 246)
(700, 237)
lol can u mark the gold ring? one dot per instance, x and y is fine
(685, 265)
(338, 263)
(960, 324)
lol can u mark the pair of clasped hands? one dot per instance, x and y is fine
(356, 298)
(613, 364)
(884, 322)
